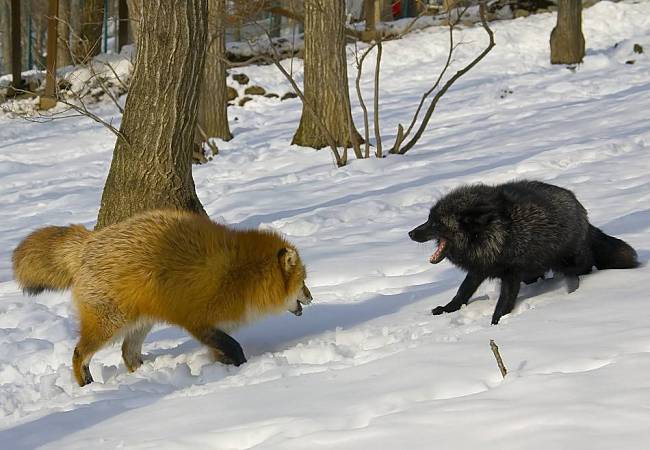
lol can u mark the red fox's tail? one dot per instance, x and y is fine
(48, 258)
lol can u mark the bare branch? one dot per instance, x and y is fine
(81, 110)
(401, 136)
(366, 125)
(451, 81)
(117, 77)
(378, 151)
(497, 356)
(104, 86)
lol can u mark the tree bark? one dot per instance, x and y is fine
(213, 102)
(5, 36)
(567, 40)
(16, 54)
(153, 169)
(326, 78)
(63, 56)
(48, 100)
(92, 15)
(123, 24)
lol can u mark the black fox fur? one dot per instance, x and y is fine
(516, 232)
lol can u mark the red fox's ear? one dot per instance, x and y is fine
(288, 258)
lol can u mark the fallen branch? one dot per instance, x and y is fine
(497, 355)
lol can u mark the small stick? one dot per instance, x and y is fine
(497, 355)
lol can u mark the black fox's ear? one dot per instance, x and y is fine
(288, 258)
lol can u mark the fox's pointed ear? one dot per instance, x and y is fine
(288, 258)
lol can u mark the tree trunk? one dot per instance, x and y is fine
(63, 56)
(92, 15)
(122, 24)
(567, 40)
(213, 101)
(48, 100)
(16, 54)
(135, 17)
(153, 170)
(326, 78)
(5, 43)
(387, 10)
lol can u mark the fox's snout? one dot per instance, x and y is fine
(304, 298)
(422, 233)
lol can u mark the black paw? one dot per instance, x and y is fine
(87, 377)
(233, 360)
(238, 359)
(438, 310)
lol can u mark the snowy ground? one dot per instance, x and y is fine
(366, 366)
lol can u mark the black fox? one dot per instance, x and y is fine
(516, 232)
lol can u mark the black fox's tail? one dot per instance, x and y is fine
(48, 258)
(610, 252)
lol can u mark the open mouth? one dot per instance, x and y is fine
(298, 310)
(439, 254)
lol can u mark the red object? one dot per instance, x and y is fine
(396, 8)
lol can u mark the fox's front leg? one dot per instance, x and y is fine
(467, 288)
(224, 347)
(509, 290)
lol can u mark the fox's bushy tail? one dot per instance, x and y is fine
(610, 252)
(48, 258)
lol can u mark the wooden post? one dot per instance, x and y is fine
(16, 54)
(123, 25)
(49, 98)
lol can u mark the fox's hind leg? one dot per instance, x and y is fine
(97, 328)
(581, 263)
(224, 348)
(530, 278)
(509, 290)
(467, 288)
(132, 345)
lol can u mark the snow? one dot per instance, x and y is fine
(367, 366)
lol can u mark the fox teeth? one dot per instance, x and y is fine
(439, 254)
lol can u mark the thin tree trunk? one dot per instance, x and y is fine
(567, 40)
(213, 102)
(92, 15)
(63, 56)
(48, 100)
(326, 77)
(135, 17)
(122, 24)
(16, 54)
(153, 169)
(5, 43)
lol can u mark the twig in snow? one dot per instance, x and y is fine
(497, 355)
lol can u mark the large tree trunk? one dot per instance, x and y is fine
(567, 40)
(213, 101)
(63, 56)
(92, 15)
(153, 170)
(326, 77)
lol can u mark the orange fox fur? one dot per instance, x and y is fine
(162, 266)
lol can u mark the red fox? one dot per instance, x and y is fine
(163, 266)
